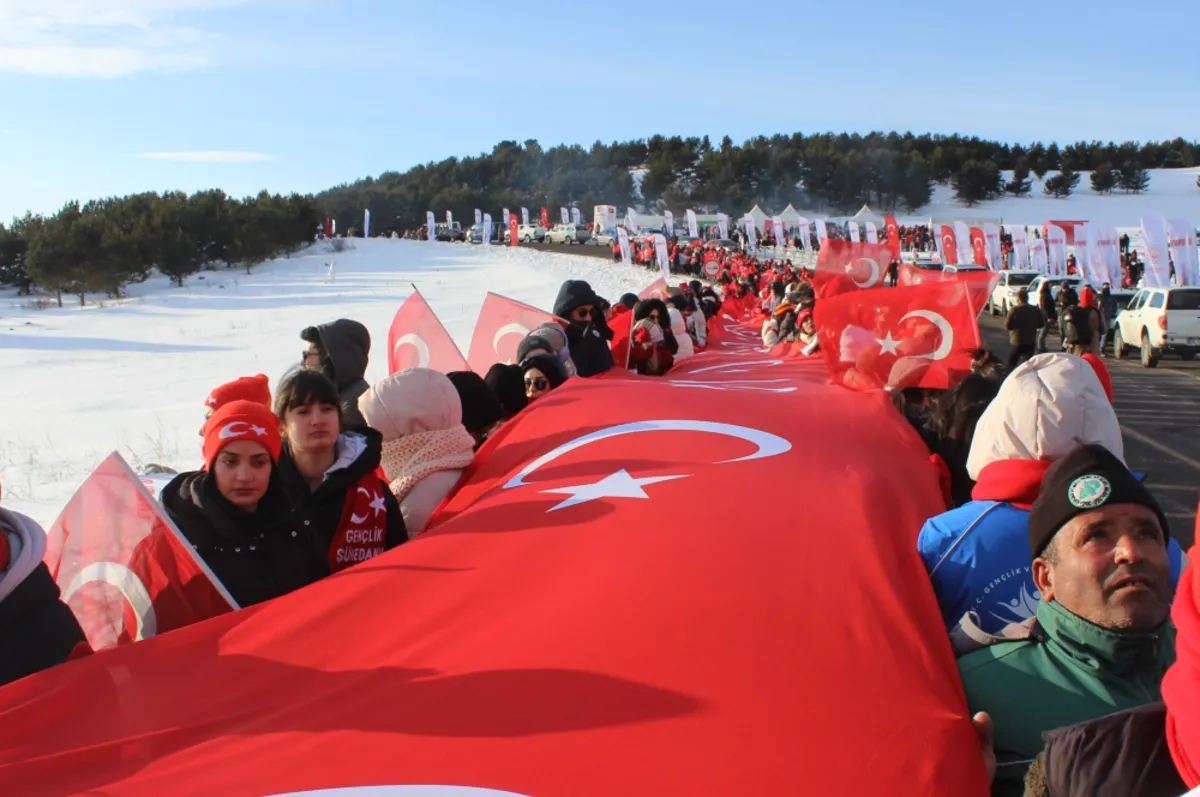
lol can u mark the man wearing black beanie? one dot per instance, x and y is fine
(1100, 642)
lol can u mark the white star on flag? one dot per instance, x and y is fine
(258, 430)
(618, 485)
(378, 505)
(887, 344)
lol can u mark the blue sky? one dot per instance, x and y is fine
(104, 97)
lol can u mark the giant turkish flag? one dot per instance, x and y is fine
(123, 568)
(705, 584)
(502, 324)
(417, 339)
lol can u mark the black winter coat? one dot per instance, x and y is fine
(347, 346)
(256, 555)
(37, 630)
(321, 509)
(589, 347)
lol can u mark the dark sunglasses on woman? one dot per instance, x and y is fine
(537, 383)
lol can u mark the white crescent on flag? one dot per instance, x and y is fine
(507, 329)
(947, 345)
(128, 584)
(418, 343)
(875, 272)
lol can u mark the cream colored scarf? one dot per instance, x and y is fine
(413, 457)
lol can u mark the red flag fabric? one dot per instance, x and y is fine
(123, 568)
(621, 325)
(514, 230)
(893, 236)
(582, 624)
(980, 285)
(655, 290)
(979, 246)
(417, 339)
(948, 245)
(918, 336)
(545, 218)
(502, 323)
(844, 266)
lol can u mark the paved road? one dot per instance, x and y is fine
(1159, 410)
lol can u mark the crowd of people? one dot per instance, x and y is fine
(1054, 567)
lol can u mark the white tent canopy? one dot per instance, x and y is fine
(790, 215)
(865, 215)
(758, 215)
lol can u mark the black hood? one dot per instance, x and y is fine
(207, 518)
(347, 346)
(572, 294)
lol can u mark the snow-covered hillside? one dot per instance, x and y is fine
(132, 375)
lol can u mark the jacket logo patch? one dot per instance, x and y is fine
(1088, 492)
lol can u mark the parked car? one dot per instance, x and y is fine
(1004, 296)
(475, 234)
(1159, 321)
(568, 234)
(963, 268)
(527, 234)
(449, 232)
(1035, 287)
(604, 238)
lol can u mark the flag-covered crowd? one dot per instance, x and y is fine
(1067, 601)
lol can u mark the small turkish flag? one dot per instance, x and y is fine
(844, 266)
(893, 236)
(123, 568)
(655, 290)
(917, 336)
(949, 245)
(417, 339)
(502, 324)
(979, 246)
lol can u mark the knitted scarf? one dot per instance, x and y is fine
(413, 457)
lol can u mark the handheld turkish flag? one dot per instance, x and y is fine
(123, 568)
(979, 246)
(502, 324)
(580, 626)
(893, 236)
(846, 266)
(655, 290)
(948, 245)
(918, 336)
(417, 339)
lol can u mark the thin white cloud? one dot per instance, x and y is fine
(104, 38)
(210, 156)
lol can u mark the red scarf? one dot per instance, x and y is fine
(1181, 686)
(362, 531)
(1014, 481)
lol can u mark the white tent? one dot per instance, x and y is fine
(790, 216)
(758, 215)
(865, 215)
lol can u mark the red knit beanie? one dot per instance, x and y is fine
(241, 420)
(249, 388)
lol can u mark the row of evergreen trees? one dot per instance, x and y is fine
(824, 172)
(106, 244)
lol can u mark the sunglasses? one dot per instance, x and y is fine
(537, 383)
(307, 353)
(655, 317)
(582, 313)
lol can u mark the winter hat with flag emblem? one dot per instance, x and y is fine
(1088, 477)
(241, 420)
(255, 388)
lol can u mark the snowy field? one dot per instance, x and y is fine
(132, 375)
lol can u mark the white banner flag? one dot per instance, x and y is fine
(962, 240)
(872, 233)
(1037, 255)
(693, 225)
(431, 225)
(366, 224)
(723, 226)
(777, 228)
(1181, 243)
(1056, 250)
(525, 216)
(631, 220)
(623, 242)
(1097, 256)
(1083, 255)
(478, 216)
(805, 237)
(668, 223)
(507, 217)
(822, 231)
(563, 216)
(660, 253)
(487, 228)
(1106, 248)
(576, 217)
(449, 218)
(852, 231)
(1020, 240)
(991, 238)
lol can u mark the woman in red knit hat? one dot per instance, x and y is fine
(236, 514)
(255, 388)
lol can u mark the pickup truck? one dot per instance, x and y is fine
(1159, 321)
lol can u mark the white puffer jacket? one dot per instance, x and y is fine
(1049, 405)
(679, 330)
(425, 446)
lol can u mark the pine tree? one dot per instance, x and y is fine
(1019, 185)
(1103, 179)
(1062, 184)
(918, 184)
(1037, 160)
(1132, 178)
(976, 181)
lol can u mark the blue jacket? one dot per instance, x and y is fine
(978, 559)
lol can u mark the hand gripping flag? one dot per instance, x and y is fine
(501, 326)
(919, 336)
(123, 568)
(844, 266)
(417, 339)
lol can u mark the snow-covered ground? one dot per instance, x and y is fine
(132, 375)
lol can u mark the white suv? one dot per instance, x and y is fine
(526, 233)
(1159, 321)
(1004, 296)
